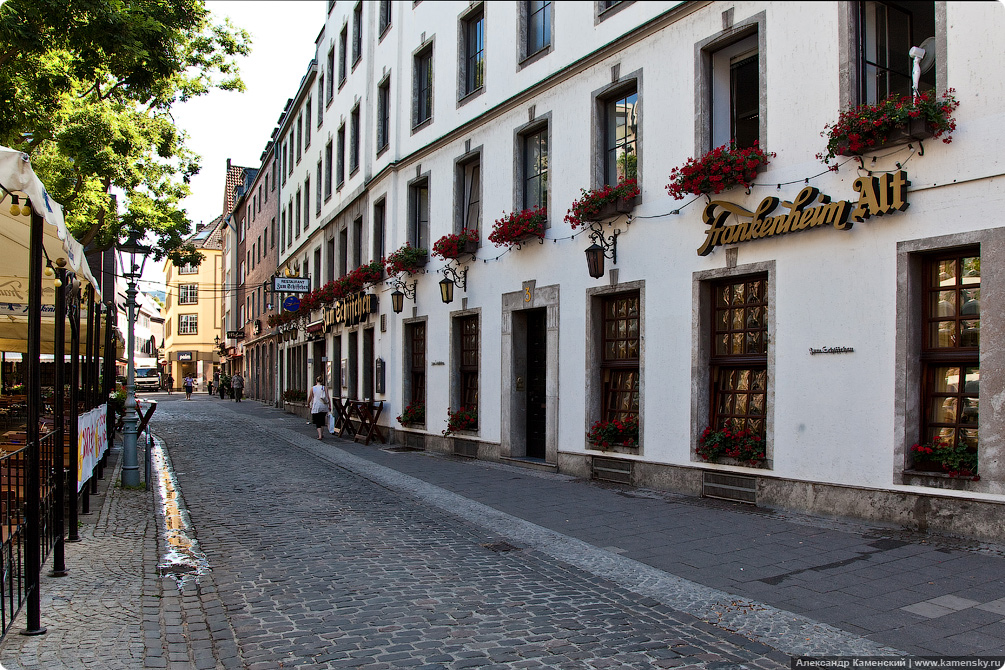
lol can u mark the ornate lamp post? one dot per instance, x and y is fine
(128, 252)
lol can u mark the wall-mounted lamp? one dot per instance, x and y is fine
(452, 277)
(401, 291)
(598, 251)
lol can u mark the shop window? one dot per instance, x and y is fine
(951, 348)
(620, 356)
(738, 361)
(887, 31)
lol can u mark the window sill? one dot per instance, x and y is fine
(938, 480)
(383, 32)
(422, 124)
(381, 151)
(468, 97)
(534, 57)
(613, 449)
(353, 171)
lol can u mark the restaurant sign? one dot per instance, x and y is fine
(350, 310)
(877, 196)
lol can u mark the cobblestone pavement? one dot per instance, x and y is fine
(334, 554)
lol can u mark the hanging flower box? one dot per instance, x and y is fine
(958, 461)
(456, 245)
(466, 418)
(406, 259)
(723, 445)
(517, 227)
(603, 203)
(608, 435)
(413, 415)
(895, 120)
(719, 170)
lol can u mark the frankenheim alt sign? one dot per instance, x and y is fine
(877, 195)
(350, 310)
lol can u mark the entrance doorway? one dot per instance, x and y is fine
(537, 376)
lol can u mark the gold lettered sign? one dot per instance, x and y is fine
(15, 290)
(350, 311)
(810, 209)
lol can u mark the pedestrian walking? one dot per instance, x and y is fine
(169, 382)
(318, 401)
(215, 382)
(188, 387)
(223, 390)
(237, 385)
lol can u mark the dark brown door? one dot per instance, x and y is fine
(537, 366)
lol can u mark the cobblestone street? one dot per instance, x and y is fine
(319, 567)
(332, 554)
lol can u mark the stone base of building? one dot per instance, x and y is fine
(933, 512)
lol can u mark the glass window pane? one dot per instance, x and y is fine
(946, 274)
(970, 333)
(943, 410)
(947, 380)
(971, 270)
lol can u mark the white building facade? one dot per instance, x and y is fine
(839, 336)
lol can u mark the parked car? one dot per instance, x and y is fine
(147, 379)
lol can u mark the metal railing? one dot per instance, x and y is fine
(16, 584)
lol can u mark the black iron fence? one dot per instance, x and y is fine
(17, 578)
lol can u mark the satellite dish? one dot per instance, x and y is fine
(928, 60)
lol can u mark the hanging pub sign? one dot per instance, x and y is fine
(291, 285)
(877, 196)
(350, 310)
(235, 334)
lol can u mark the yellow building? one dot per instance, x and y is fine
(192, 310)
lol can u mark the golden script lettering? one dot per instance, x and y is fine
(877, 195)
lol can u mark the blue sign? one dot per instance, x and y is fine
(291, 304)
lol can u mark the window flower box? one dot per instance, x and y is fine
(958, 461)
(456, 245)
(615, 435)
(896, 120)
(719, 170)
(603, 203)
(413, 415)
(516, 228)
(406, 259)
(725, 446)
(464, 419)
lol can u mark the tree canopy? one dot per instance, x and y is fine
(87, 88)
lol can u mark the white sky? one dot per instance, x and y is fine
(223, 124)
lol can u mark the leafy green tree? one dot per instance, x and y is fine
(87, 88)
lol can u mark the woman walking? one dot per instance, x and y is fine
(188, 387)
(319, 404)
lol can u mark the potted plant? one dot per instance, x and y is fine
(743, 446)
(516, 227)
(895, 119)
(956, 461)
(466, 418)
(603, 203)
(456, 245)
(720, 169)
(406, 259)
(616, 433)
(414, 414)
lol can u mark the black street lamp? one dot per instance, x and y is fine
(129, 251)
